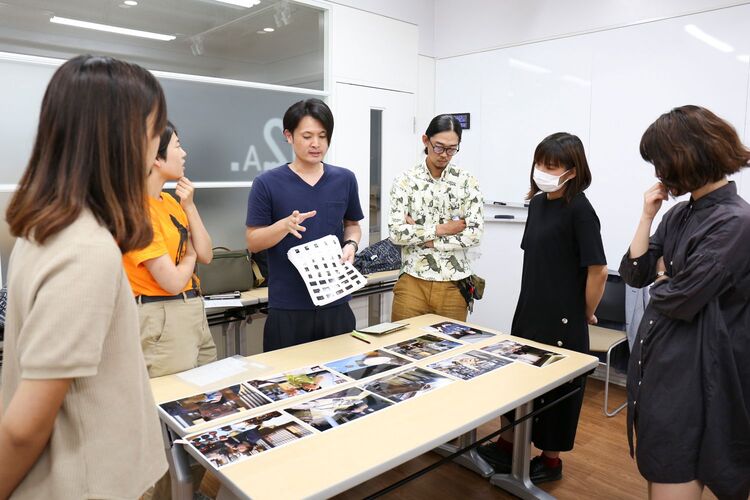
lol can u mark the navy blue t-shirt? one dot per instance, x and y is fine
(275, 195)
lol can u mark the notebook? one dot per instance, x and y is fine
(382, 328)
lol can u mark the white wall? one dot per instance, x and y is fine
(372, 50)
(425, 95)
(418, 12)
(607, 87)
(474, 25)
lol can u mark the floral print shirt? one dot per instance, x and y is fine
(430, 202)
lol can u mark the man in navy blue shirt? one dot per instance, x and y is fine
(295, 203)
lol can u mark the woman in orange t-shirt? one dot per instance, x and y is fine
(174, 331)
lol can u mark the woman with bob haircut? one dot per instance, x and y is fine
(564, 273)
(78, 418)
(689, 378)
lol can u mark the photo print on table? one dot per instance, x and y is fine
(468, 365)
(207, 406)
(367, 364)
(296, 383)
(338, 408)
(319, 263)
(423, 346)
(407, 384)
(462, 333)
(524, 353)
(240, 440)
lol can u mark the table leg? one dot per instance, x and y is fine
(179, 467)
(518, 482)
(471, 459)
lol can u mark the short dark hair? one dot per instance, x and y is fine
(90, 152)
(562, 149)
(314, 108)
(690, 147)
(166, 136)
(443, 123)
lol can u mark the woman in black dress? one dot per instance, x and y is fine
(564, 273)
(689, 376)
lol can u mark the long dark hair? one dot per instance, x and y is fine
(562, 150)
(90, 152)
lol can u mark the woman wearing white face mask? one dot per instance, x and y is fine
(564, 272)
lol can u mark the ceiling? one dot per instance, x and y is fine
(212, 38)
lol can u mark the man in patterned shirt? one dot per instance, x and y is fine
(435, 216)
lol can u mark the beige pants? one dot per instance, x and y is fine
(175, 336)
(414, 297)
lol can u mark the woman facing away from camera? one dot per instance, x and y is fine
(564, 273)
(689, 378)
(174, 330)
(78, 418)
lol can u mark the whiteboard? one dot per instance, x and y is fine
(605, 87)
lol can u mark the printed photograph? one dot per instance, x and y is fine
(208, 406)
(469, 365)
(368, 364)
(461, 332)
(423, 347)
(338, 408)
(407, 384)
(523, 353)
(296, 383)
(240, 440)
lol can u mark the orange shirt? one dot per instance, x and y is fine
(166, 241)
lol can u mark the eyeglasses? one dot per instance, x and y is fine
(442, 149)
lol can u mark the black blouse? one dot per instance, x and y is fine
(560, 241)
(689, 373)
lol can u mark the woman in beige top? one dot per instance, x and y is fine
(78, 420)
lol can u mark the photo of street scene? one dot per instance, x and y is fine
(338, 408)
(240, 440)
(469, 365)
(407, 384)
(423, 347)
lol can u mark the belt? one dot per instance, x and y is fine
(145, 299)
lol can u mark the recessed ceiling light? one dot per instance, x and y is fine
(131, 3)
(261, 32)
(268, 30)
(111, 29)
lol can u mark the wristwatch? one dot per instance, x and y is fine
(351, 242)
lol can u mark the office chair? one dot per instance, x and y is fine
(609, 333)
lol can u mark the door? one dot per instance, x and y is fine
(374, 137)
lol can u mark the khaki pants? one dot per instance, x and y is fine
(414, 297)
(175, 336)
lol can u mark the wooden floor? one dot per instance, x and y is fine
(599, 467)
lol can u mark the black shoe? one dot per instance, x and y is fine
(499, 459)
(540, 473)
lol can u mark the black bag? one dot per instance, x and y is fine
(229, 271)
(471, 288)
(378, 257)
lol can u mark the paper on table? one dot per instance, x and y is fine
(326, 278)
(217, 303)
(218, 370)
